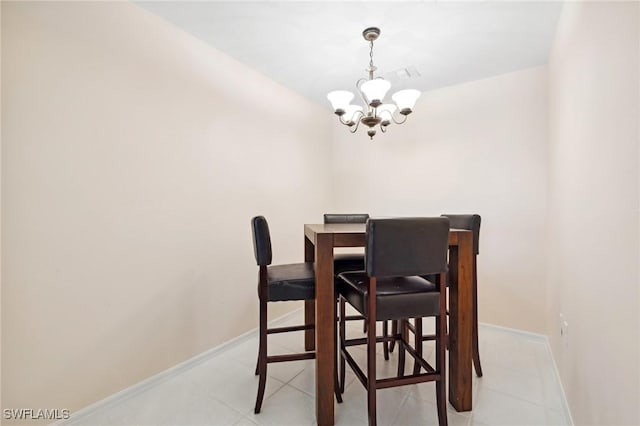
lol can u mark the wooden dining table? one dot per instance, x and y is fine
(319, 243)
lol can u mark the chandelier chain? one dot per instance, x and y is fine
(372, 67)
(371, 55)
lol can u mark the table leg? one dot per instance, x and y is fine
(309, 305)
(325, 330)
(460, 323)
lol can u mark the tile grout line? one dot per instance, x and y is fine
(545, 340)
(150, 382)
(122, 397)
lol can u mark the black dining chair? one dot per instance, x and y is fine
(398, 253)
(343, 262)
(469, 222)
(277, 283)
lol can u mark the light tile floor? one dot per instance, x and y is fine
(519, 387)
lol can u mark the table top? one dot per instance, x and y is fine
(336, 228)
(346, 228)
(344, 234)
(352, 234)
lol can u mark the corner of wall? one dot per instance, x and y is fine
(1, 322)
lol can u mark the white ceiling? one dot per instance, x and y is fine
(316, 47)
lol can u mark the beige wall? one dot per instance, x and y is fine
(593, 210)
(479, 147)
(1, 404)
(129, 177)
(133, 159)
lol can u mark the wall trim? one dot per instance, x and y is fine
(164, 375)
(183, 366)
(565, 401)
(522, 333)
(543, 338)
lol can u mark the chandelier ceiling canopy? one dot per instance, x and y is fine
(372, 90)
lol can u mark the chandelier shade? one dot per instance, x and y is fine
(340, 99)
(375, 90)
(376, 113)
(406, 99)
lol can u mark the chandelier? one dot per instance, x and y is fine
(372, 91)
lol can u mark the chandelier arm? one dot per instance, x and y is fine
(355, 128)
(346, 123)
(396, 121)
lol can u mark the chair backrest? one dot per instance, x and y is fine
(467, 221)
(346, 218)
(261, 240)
(407, 246)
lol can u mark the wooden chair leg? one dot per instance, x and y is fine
(417, 335)
(441, 395)
(441, 334)
(385, 345)
(371, 370)
(401, 351)
(336, 386)
(336, 379)
(476, 348)
(476, 354)
(262, 355)
(394, 331)
(343, 337)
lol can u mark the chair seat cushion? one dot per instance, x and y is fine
(294, 281)
(396, 297)
(343, 262)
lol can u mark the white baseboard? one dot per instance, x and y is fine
(544, 339)
(565, 402)
(522, 333)
(205, 356)
(162, 376)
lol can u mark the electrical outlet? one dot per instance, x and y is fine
(564, 330)
(560, 322)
